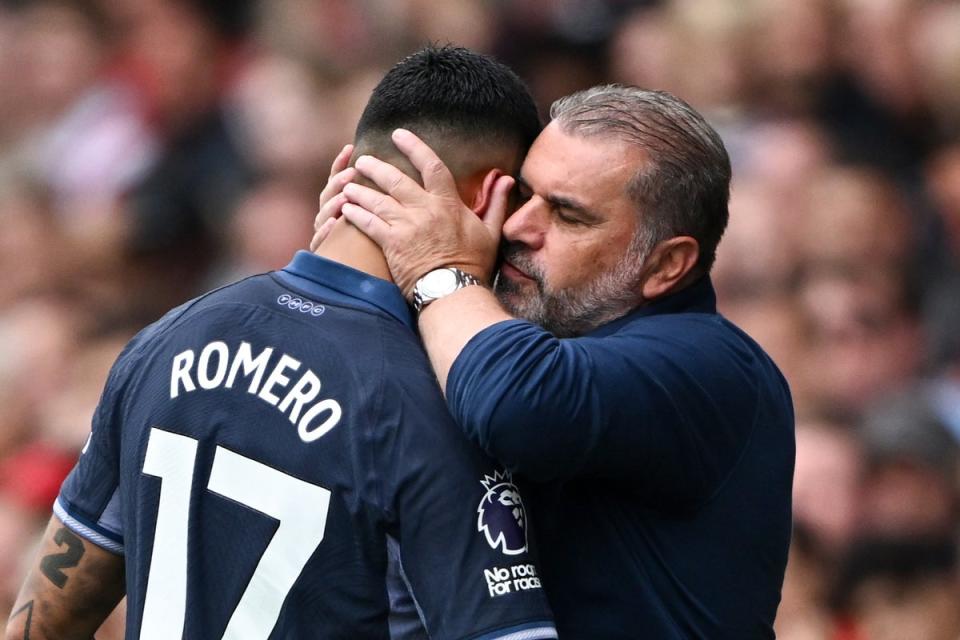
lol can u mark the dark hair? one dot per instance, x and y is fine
(452, 91)
(684, 189)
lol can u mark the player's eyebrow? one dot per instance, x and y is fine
(587, 215)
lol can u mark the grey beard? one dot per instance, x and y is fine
(576, 310)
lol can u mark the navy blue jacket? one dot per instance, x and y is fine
(661, 452)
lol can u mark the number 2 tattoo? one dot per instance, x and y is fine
(53, 565)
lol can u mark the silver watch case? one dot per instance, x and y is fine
(439, 283)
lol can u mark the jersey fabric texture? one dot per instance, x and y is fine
(262, 454)
(661, 447)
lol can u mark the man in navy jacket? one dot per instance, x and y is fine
(658, 437)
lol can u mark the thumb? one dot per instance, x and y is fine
(499, 202)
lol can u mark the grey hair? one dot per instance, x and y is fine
(684, 187)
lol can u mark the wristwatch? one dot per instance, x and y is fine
(439, 283)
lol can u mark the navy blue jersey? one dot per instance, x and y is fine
(267, 454)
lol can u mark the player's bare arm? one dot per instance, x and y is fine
(72, 586)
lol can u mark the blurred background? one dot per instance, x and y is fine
(153, 149)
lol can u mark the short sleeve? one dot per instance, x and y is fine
(459, 522)
(89, 501)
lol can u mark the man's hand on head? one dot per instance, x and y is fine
(332, 198)
(424, 228)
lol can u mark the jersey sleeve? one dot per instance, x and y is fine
(458, 521)
(89, 500)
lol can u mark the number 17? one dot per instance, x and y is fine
(300, 507)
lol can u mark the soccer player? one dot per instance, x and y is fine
(264, 455)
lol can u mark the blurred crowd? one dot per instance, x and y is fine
(153, 149)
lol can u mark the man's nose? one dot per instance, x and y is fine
(528, 224)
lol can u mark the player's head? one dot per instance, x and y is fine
(473, 111)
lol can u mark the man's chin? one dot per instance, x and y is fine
(512, 291)
(523, 305)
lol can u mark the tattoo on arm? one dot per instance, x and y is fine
(28, 607)
(52, 565)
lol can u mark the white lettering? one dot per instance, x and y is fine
(523, 584)
(497, 574)
(203, 366)
(216, 367)
(306, 390)
(245, 359)
(324, 405)
(519, 577)
(520, 570)
(182, 362)
(277, 378)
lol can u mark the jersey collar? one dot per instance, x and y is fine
(337, 282)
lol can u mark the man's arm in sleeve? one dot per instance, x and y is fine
(448, 324)
(658, 409)
(71, 588)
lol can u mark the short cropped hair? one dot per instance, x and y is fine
(452, 91)
(684, 188)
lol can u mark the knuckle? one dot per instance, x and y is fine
(434, 166)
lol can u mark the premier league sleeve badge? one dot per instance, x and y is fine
(501, 516)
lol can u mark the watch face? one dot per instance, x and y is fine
(438, 283)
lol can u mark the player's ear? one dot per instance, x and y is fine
(481, 198)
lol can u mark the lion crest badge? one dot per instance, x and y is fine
(501, 516)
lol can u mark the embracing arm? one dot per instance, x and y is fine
(72, 587)
(448, 324)
(649, 407)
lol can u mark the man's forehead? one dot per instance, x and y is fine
(565, 161)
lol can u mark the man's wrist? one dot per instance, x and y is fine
(439, 283)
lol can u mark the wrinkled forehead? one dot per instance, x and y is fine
(598, 163)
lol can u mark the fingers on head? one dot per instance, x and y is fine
(434, 173)
(336, 183)
(366, 221)
(332, 207)
(342, 159)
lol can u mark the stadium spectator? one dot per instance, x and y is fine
(890, 588)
